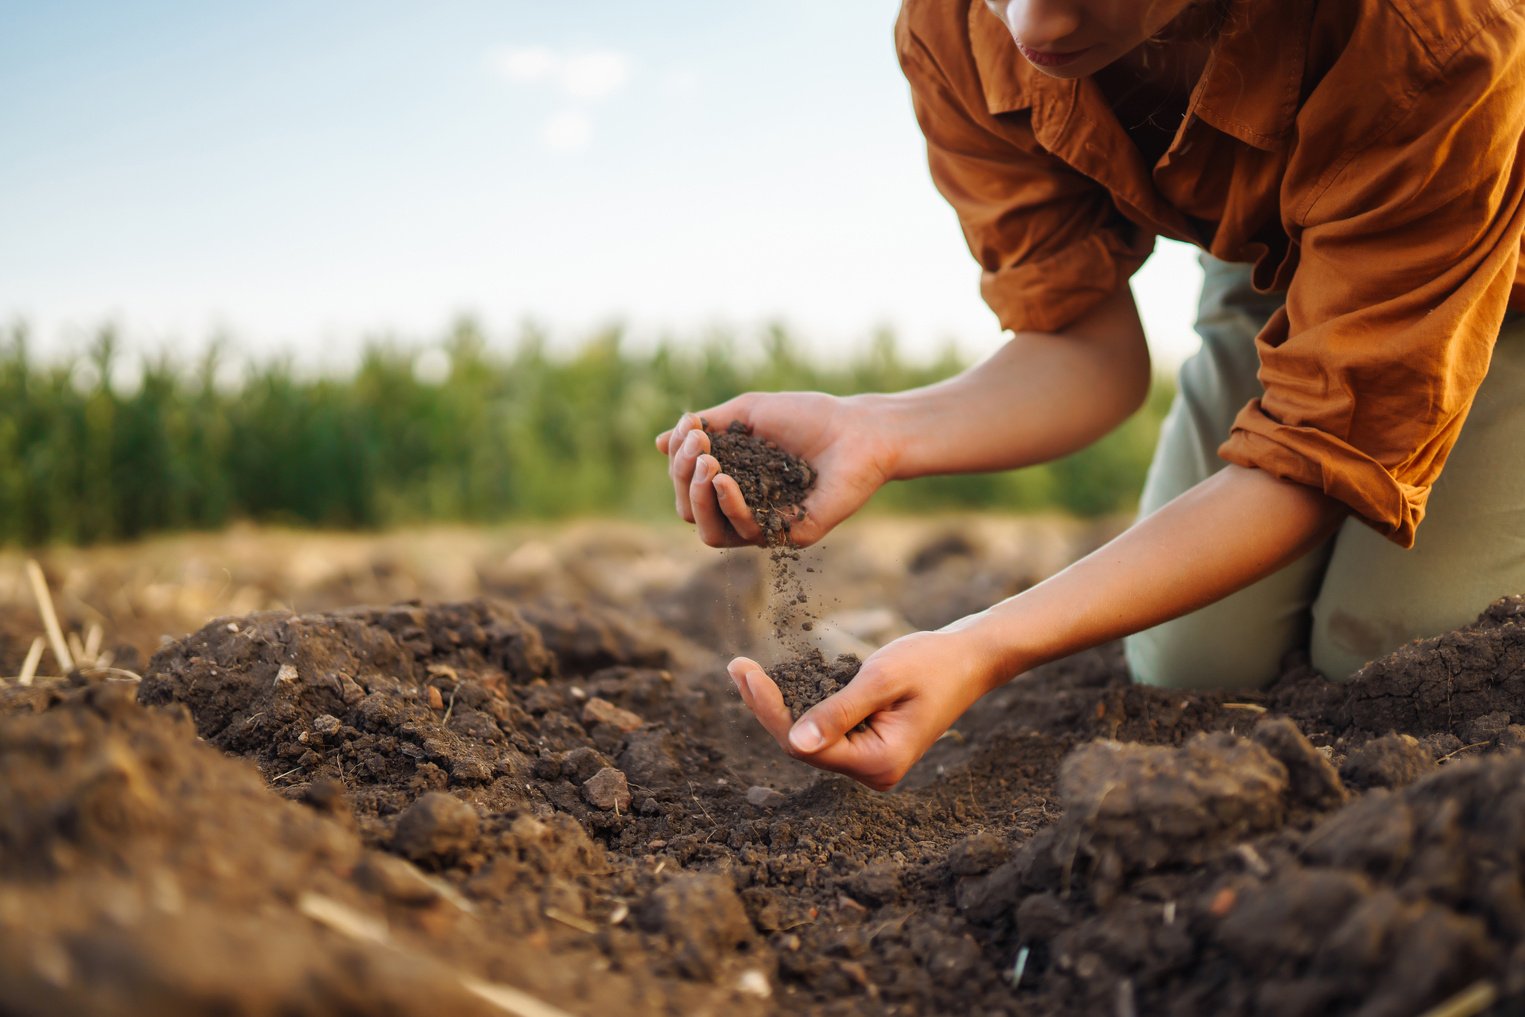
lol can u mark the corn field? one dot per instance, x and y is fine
(493, 431)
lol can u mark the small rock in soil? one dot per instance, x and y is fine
(764, 797)
(601, 711)
(608, 790)
(437, 826)
(808, 679)
(578, 764)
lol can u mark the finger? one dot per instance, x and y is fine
(738, 670)
(686, 423)
(768, 704)
(863, 756)
(734, 506)
(714, 530)
(828, 722)
(682, 471)
(662, 441)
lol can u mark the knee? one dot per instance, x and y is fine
(1188, 654)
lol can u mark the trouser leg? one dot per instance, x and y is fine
(1469, 549)
(1239, 641)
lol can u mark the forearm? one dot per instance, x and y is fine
(1039, 397)
(1232, 529)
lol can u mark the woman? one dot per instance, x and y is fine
(1353, 173)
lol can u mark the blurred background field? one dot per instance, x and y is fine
(104, 445)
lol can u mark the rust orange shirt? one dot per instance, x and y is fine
(1364, 155)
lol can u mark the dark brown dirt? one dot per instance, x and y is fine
(387, 808)
(810, 678)
(773, 481)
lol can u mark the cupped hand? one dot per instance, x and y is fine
(906, 695)
(851, 451)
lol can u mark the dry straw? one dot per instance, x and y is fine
(72, 651)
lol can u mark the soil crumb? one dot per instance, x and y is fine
(810, 678)
(773, 481)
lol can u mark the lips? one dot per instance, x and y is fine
(1046, 59)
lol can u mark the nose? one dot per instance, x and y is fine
(1041, 24)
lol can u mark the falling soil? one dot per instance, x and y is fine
(773, 482)
(810, 678)
(425, 809)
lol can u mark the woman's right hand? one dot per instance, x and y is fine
(843, 438)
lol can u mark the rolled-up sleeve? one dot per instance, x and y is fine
(1409, 246)
(1050, 243)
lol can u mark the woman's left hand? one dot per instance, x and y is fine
(907, 694)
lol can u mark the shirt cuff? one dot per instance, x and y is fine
(1306, 455)
(1046, 294)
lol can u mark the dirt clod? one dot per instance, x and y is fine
(773, 482)
(810, 678)
(437, 827)
(1393, 760)
(702, 919)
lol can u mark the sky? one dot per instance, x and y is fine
(299, 176)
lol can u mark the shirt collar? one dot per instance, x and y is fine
(1250, 88)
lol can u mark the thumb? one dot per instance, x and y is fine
(828, 721)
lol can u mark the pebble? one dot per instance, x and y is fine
(326, 724)
(608, 790)
(601, 711)
(754, 983)
(764, 797)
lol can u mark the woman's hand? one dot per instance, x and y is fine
(907, 695)
(851, 451)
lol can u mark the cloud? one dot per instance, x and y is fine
(594, 75)
(568, 131)
(535, 63)
(589, 74)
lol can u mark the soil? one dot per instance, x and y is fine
(773, 481)
(428, 808)
(810, 678)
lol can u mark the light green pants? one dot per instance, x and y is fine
(1359, 596)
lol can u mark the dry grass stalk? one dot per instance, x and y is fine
(509, 999)
(49, 617)
(1474, 999)
(33, 658)
(571, 921)
(347, 921)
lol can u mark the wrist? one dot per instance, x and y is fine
(890, 422)
(989, 642)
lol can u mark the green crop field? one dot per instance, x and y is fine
(501, 429)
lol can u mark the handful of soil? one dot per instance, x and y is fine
(810, 678)
(773, 482)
